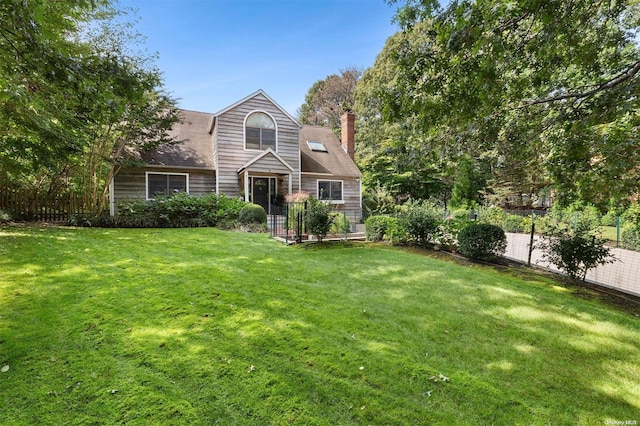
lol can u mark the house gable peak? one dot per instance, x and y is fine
(259, 92)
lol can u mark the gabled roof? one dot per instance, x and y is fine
(245, 99)
(334, 161)
(196, 150)
(267, 153)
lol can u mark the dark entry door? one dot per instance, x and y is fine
(261, 192)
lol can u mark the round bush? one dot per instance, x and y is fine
(318, 218)
(252, 213)
(421, 225)
(481, 241)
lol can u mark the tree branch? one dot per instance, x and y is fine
(626, 75)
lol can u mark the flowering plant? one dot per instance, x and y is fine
(297, 197)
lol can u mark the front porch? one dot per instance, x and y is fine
(265, 180)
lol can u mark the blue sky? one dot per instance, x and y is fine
(215, 52)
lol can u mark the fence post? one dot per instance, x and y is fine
(286, 223)
(575, 221)
(533, 231)
(617, 231)
(346, 225)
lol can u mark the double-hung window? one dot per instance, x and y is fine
(165, 184)
(330, 190)
(260, 131)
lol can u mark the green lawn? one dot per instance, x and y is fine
(201, 326)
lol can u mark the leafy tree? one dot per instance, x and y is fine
(468, 184)
(575, 251)
(378, 201)
(42, 74)
(542, 92)
(328, 99)
(76, 103)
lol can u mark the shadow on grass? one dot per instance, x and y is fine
(189, 326)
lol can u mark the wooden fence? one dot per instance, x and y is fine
(33, 205)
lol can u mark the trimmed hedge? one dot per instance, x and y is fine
(252, 214)
(376, 227)
(178, 211)
(482, 241)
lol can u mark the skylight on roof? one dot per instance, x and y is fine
(317, 146)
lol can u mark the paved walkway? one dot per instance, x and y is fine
(622, 275)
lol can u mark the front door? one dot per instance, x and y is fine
(262, 190)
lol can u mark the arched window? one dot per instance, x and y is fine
(260, 131)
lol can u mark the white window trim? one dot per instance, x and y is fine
(324, 148)
(146, 181)
(244, 130)
(341, 201)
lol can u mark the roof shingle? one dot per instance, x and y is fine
(335, 161)
(196, 150)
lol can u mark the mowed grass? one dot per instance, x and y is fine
(201, 326)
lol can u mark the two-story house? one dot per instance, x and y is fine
(252, 149)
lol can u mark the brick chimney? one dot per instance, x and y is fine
(348, 122)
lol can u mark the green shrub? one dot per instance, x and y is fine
(295, 214)
(221, 208)
(177, 211)
(5, 217)
(447, 235)
(589, 216)
(514, 223)
(318, 218)
(254, 227)
(492, 215)
(632, 215)
(340, 224)
(396, 232)
(252, 213)
(81, 220)
(543, 223)
(376, 227)
(420, 224)
(631, 238)
(378, 201)
(481, 241)
(575, 252)
(460, 214)
(609, 219)
(577, 214)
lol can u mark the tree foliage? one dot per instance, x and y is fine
(575, 251)
(318, 218)
(538, 92)
(76, 103)
(328, 99)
